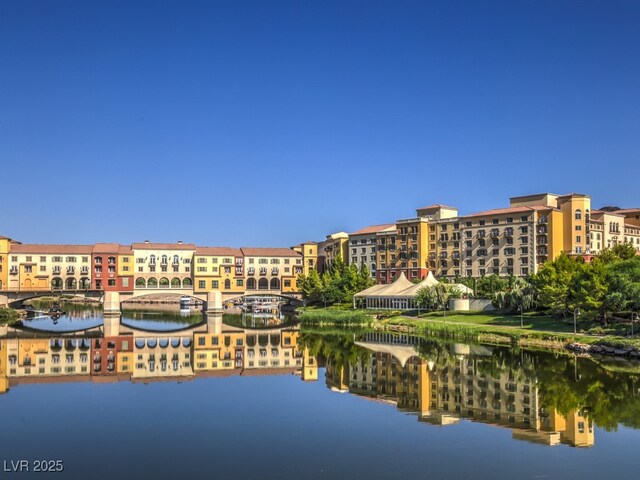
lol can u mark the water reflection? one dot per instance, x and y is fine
(540, 397)
(121, 353)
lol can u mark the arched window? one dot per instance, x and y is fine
(578, 214)
(263, 284)
(140, 283)
(176, 260)
(164, 282)
(275, 284)
(251, 283)
(163, 260)
(175, 282)
(186, 282)
(152, 283)
(85, 283)
(227, 284)
(152, 260)
(56, 283)
(72, 284)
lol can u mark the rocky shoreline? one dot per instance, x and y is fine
(628, 352)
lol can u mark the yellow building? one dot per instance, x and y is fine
(162, 266)
(412, 247)
(4, 381)
(575, 429)
(335, 244)
(309, 371)
(161, 357)
(125, 362)
(386, 254)
(272, 270)
(5, 246)
(49, 267)
(309, 252)
(218, 269)
(273, 349)
(48, 357)
(219, 351)
(126, 262)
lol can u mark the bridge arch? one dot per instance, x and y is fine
(263, 284)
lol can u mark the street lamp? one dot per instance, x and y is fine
(521, 316)
(576, 314)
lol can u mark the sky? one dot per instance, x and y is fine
(253, 123)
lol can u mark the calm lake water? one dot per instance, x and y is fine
(165, 395)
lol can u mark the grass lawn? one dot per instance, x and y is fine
(538, 323)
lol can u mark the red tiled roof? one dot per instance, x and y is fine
(125, 250)
(435, 207)
(163, 246)
(503, 211)
(222, 251)
(36, 248)
(106, 248)
(269, 252)
(373, 229)
(628, 210)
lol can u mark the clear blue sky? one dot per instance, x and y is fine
(267, 123)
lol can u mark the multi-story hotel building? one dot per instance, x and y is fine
(335, 244)
(363, 247)
(515, 240)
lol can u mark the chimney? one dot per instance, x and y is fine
(179, 242)
(146, 241)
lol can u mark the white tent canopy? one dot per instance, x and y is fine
(399, 295)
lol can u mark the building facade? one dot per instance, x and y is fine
(363, 247)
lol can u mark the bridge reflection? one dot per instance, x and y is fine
(118, 352)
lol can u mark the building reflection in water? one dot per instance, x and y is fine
(443, 389)
(441, 385)
(115, 352)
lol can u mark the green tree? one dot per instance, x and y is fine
(521, 293)
(554, 283)
(590, 287)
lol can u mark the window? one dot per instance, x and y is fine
(578, 214)
(214, 283)
(202, 284)
(578, 239)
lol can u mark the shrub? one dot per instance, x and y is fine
(337, 318)
(8, 316)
